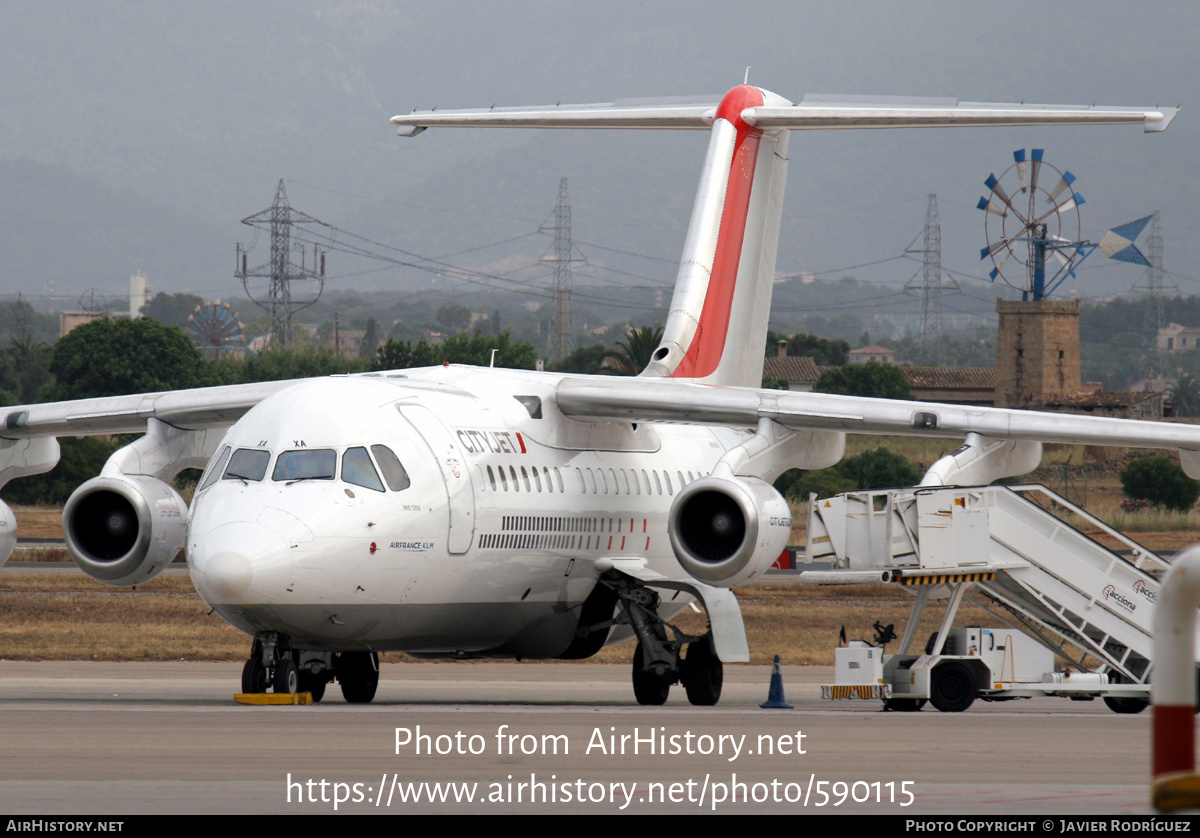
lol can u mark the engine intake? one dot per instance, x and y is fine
(124, 530)
(725, 531)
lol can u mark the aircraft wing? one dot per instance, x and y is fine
(812, 113)
(205, 407)
(671, 401)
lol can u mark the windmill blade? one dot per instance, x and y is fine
(996, 209)
(1063, 183)
(996, 247)
(1019, 157)
(993, 184)
(1035, 167)
(1057, 255)
(994, 272)
(1075, 200)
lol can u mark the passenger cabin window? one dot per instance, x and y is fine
(305, 464)
(358, 469)
(393, 471)
(247, 464)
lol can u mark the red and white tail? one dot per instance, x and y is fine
(717, 325)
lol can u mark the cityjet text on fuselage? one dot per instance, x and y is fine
(495, 442)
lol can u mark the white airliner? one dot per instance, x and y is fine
(465, 512)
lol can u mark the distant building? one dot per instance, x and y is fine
(1176, 338)
(799, 373)
(1037, 352)
(953, 385)
(68, 321)
(348, 342)
(872, 353)
(1144, 405)
(1037, 367)
(140, 292)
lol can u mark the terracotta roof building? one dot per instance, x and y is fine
(800, 373)
(955, 385)
(873, 353)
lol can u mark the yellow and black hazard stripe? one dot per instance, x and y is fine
(948, 578)
(837, 691)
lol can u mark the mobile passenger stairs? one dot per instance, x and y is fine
(1001, 548)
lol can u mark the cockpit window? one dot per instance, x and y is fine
(311, 464)
(358, 469)
(216, 468)
(389, 464)
(247, 464)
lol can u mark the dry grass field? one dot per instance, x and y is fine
(70, 617)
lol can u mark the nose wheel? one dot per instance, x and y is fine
(275, 666)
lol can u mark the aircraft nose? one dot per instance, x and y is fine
(228, 574)
(220, 559)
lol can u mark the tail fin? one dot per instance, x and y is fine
(717, 325)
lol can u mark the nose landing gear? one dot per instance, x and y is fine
(275, 665)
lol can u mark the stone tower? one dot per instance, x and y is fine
(1037, 352)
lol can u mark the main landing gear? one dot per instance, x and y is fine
(658, 661)
(274, 665)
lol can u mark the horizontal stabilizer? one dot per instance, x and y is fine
(670, 114)
(861, 114)
(813, 113)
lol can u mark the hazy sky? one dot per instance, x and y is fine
(138, 134)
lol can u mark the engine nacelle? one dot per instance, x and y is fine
(124, 530)
(725, 531)
(8, 532)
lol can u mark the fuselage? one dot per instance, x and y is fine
(441, 511)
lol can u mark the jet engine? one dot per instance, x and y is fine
(8, 532)
(726, 530)
(124, 530)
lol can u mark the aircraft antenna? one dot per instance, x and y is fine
(289, 287)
